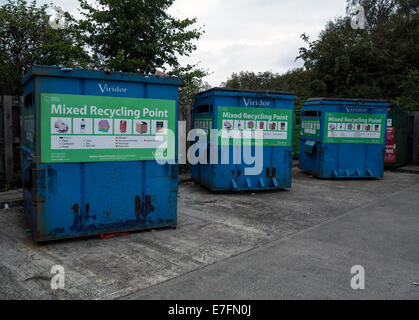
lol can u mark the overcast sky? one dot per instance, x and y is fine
(253, 35)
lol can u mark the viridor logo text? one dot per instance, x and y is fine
(256, 102)
(105, 88)
(356, 110)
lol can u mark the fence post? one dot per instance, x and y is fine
(8, 138)
(415, 137)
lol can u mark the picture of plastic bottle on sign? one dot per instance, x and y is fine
(239, 124)
(82, 126)
(103, 126)
(61, 126)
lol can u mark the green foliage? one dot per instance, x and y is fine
(26, 38)
(192, 84)
(116, 35)
(378, 62)
(136, 35)
(298, 81)
(409, 91)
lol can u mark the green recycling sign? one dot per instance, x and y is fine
(354, 128)
(272, 127)
(81, 128)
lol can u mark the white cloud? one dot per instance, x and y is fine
(254, 35)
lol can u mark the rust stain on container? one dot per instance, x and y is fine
(147, 204)
(75, 209)
(137, 206)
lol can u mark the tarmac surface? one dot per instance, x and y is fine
(296, 244)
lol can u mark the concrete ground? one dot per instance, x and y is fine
(292, 244)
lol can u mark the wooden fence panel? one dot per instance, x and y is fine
(11, 118)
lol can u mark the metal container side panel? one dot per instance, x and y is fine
(78, 199)
(352, 161)
(309, 159)
(92, 198)
(200, 172)
(277, 164)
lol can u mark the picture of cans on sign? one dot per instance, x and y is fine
(262, 125)
(141, 127)
(103, 126)
(123, 126)
(159, 127)
(61, 125)
(359, 127)
(82, 126)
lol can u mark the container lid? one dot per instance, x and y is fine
(258, 92)
(63, 72)
(347, 100)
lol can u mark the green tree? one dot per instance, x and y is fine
(193, 83)
(298, 81)
(27, 38)
(378, 62)
(136, 35)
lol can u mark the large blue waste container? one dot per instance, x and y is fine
(343, 138)
(90, 144)
(232, 112)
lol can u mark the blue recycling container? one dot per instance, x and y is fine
(91, 141)
(262, 120)
(343, 138)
